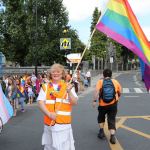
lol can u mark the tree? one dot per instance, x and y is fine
(99, 40)
(14, 37)
(52, 18)
(32, 38)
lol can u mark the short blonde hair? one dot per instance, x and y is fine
(57, 67)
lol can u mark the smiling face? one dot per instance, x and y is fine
(56, 72)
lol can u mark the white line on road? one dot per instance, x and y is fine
(131, 96)
(138, 90)
(125, 90)
(134, 90)
(136, 80)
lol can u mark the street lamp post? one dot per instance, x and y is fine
(105, 59)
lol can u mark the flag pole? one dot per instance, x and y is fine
(87, 45)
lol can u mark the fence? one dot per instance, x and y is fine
(23, 70)
(115, 66)
(98, 68)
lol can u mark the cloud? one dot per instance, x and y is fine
(146, 30)
(140, 7)
(80, 12)
(80, 9)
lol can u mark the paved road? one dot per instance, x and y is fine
(133, 119)
(24, 131)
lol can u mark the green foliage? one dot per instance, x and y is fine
(99, 40)
(96, 15)
(13, 28)
(33, 38)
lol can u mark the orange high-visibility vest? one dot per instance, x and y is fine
(59, 101)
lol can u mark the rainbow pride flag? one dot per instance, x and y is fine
(119, 23)
(6, 110)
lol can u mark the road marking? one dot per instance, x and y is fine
(120, 122)
(132, 117)
(131, 96)
(135, 131)
(125, 90)
(147, 118)
(134, 90)
(116, 146)
(136, 80)
(138, 90)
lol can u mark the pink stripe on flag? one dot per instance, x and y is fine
(120, 39)
(4, 110)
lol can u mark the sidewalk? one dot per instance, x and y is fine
(94, 80)
(99, 76)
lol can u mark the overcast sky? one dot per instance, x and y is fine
(80, 14)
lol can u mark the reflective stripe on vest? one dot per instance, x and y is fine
(64, 113)
(50, 102)
(58, 100)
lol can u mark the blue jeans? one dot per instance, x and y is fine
(21, 102)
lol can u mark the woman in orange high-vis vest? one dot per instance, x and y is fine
(55, 100)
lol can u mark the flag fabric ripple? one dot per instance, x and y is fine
(119, 23)
(6, 110)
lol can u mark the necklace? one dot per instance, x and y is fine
(56, 92)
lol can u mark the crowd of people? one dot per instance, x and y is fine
(24, 89)
(21, 89)
(81, 80)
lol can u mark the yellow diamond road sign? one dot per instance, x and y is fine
(65, 43)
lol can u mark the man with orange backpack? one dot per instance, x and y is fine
(108, 92)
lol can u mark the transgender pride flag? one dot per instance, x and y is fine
(6, 110)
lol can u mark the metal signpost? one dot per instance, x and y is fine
(111, 54)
